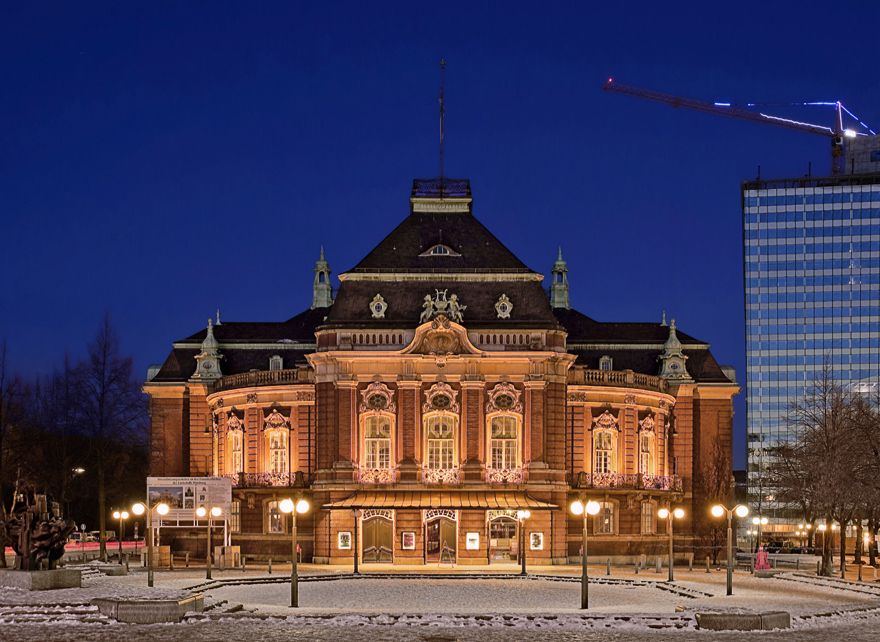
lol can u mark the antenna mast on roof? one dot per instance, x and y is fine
(442, 78)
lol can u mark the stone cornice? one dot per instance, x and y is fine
(574, 345)
(482, 277)
(251, 346)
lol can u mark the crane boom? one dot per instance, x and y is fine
(836, 133)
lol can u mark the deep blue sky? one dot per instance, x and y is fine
(161, 160)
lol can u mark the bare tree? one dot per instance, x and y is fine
(112, 412)
(715, 488)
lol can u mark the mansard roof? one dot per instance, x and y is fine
(634, 346)
(298, 329)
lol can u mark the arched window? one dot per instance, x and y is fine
(276, 363)
(377, 442)
(440, 432)
(605, 521)
(605, 363)
(646, 453)
(604, 446)
(504, 442)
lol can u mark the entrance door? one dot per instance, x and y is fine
(378, 540)
(440, 540)
(503, 534)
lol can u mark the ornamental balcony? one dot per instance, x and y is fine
(616, 378)
(376, 475)
(258, 378)
(505, 476)
(295, 479)
(585, 480)
(440, 475)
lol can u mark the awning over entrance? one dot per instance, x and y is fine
(487, 500)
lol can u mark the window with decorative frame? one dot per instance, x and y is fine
(277, 451)
(646, 453)
(440, 441)
(377, 442)
(605, 521)
(604, 447)
(274, 518)
(649, 516)
(235, 438)
(276, 363)
(605, 363)
(504, 436)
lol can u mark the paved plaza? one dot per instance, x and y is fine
(445, 605)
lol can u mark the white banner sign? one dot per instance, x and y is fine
(185, 494)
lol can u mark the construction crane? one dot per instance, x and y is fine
(837, 133)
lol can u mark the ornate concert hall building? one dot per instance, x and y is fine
(441, 392)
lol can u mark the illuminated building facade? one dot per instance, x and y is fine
(440, 392)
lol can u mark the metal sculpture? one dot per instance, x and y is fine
(36, 532)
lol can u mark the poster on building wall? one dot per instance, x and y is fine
(472, 542)
(184, 495)
(537, 541)
(343, 541)
(408, 541)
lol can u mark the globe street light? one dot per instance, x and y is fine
(740, 511)
(215, 511)
(760, 523)
(120, 515)
(288, 506)
(583, 507)
(523, 515)
(140, 509)
(665, 513)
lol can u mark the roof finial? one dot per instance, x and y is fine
(442, 112)
(218, 316)
(322, 253)
(664, 318)
(560, 254)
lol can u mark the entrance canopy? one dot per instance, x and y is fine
(484, 500)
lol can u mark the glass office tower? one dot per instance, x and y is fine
(812, 288)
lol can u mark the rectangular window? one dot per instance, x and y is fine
(604, 449)
(440, 442)
(605, 519)
(377, 443)
(236, 437)
(274, 518)
(235, 517)
(502, 445)
(647, 517)
(645, 459)
(278, 452)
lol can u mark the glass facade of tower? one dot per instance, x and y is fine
(812, 289)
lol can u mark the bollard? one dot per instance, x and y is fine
(773, 562)
(752, 566)
(187, 559)
(223, 562)
(798, 564)
(243, 564)
(270, 566)
(860, 572)
(875, 571)
(707, 563)
(171, 562)
(126, 562)
(637, 568)
(818, 568)
(691, 562)
(236, 559)
(608, 566)
(657, 567)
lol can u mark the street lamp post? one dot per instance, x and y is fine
(666, 513)
(740, 511)
(523, 515)
(356, 513)
(140, 509)
(120, 515)
(215, 511)
(289, 506)
(583, 507)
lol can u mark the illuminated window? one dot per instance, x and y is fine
(646, 454)
(440, 441)
(605, 363)
(603, 448)
(276, 363)
(377, 442)
(235, 517)
(503, 442)
(278, 451)
(274, 518)
(605, 519)
(236, 439)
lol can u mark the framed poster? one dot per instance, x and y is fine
(472, 542)
(408, 540)
(344, 540)
(536, 541)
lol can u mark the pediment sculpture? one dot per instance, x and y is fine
(439, 304)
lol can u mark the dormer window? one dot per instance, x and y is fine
(276, 363)
(605, 363)
(440, 250)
